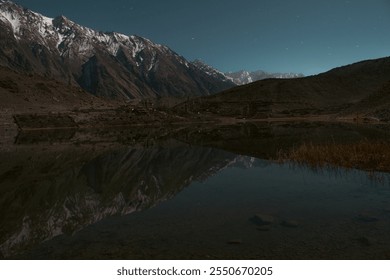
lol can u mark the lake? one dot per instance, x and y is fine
(195, 192)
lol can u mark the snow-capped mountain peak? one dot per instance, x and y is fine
(107, 64)
(27, 24)
(62, 34)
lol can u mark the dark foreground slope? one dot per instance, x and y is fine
(328, 93)
(20, 92)
(376, 105)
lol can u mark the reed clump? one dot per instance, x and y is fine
(364, 155)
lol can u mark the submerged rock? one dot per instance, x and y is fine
(290, 223)
(263, 219)
(234, 242)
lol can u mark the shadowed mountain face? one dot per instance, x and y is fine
(109, 65)
(330, 92)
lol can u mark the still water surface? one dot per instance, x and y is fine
(181, 199)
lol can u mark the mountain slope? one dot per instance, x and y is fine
(211, 71)
(377, 105)
(22, 93)
(110, 65)
(330, 92)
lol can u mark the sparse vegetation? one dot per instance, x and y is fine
(365, 155)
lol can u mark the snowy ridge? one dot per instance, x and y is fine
(67, 37)
(210, 70)
(78, 212)
(22, 22)
(106, 64)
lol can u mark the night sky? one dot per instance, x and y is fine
(305, 36)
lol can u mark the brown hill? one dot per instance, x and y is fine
(23, 93)
(330, 92)
(375, 105)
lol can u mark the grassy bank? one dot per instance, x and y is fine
(365, 155)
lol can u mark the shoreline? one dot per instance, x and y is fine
(113, 117)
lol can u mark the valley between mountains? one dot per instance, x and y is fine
(56, 73)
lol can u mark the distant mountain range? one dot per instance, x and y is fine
(244, 77)
(109, 65)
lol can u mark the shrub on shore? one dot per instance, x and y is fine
(365, 155)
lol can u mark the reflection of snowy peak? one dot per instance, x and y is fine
(245, 77)
(104, 63)
(244, 161)
(90, 187)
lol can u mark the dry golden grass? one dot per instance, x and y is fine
(365, 155)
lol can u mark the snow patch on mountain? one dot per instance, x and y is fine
(44, 25)
(12, 19)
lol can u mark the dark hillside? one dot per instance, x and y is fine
(327, 93)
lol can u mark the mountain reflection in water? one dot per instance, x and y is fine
(190, 199)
